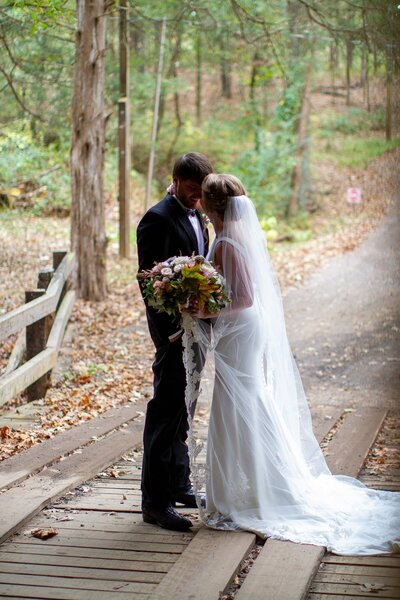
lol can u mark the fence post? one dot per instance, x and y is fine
(44, 278)
(36, 338)
(37, 334)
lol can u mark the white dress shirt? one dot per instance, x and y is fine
(195, 222)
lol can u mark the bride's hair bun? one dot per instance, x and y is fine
(217, 189)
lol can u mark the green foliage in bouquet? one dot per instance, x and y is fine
(171, 284)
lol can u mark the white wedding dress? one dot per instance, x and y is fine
(262, 469)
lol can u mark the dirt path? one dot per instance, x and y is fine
(344, 323)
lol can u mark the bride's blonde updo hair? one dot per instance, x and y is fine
(216, 190)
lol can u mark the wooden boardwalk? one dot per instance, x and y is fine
(104, 550)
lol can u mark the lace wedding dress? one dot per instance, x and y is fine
(262, 468)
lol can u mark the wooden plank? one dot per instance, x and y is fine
(65, 535)
(89, 562)
(313, 596)
(78, 584)
(44, 593)
(382, 561)
(111, 488)
(99, 573)
(19, 467)
(60, 322)
(141, 532)
(379, 485)
(368, 571)
(206, 567)
(350, 445)
(104, 522)
(29, 313)
(99, 506)
(129, 491)
(361, 578)
(17, 353)
(61, 275)
(17, 381)
(96, 503)
(132, 555)
(105, 543)
(279, 558)
(125, 477)
(20, 317)
(354, 590)
(323, 419)
(282, 570)
(21, 502)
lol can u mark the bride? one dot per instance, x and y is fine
(263, 469)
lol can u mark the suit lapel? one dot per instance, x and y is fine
(180, 215)
(187, 226)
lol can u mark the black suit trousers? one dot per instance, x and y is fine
(165, 469)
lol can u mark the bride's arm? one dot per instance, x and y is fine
(233, 267)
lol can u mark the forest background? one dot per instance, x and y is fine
(236, 85)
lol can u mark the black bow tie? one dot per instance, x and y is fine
(191, 212)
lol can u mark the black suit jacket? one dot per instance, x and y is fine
(165, 231)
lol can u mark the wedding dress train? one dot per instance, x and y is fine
(263, 469)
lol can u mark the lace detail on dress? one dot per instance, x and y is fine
(191, 361)
(238, 489)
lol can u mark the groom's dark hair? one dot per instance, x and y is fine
(194, 166)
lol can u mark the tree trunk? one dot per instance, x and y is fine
(349, 60)
(171, 74)
(376, 60)
(179, 120)
(253, 100)
(137, 45)
(388, 125)
(226, 79)
(362, 70)
(88, 238)
(366, 83)
(332, 61)
(198, 79)
(123, 133)
(156, 114)
(301, 144)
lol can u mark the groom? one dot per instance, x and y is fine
(172, 227)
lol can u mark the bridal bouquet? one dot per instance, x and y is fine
(173, 283)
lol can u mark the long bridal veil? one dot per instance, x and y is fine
(251, 443)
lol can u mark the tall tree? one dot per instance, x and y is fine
(88, 238)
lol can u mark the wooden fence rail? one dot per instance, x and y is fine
(35, 320)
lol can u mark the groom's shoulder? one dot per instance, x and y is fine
(164, 207)
(160, 211)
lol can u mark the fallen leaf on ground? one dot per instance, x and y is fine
(4, 432)
(45, 533)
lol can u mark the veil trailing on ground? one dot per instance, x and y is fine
(261, 467)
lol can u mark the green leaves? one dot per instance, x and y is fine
(44, 14)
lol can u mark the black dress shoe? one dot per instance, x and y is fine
(189, 499)
(167, 517)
